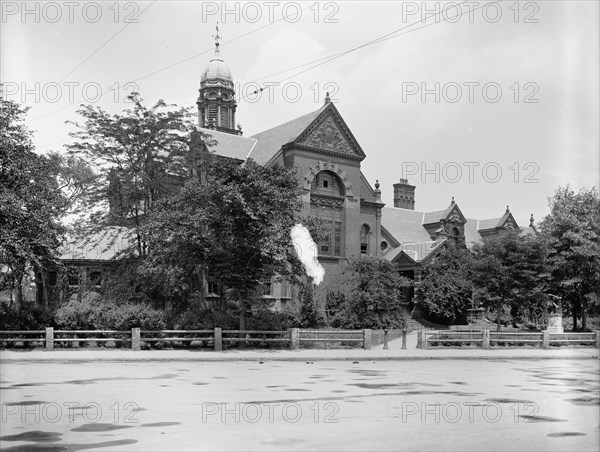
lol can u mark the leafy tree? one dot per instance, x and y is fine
(138, 157)
(573, 230)
(30, 204)
(446, 289)
(510, 270)
(233, 225)
(310, 315)
(375, 298)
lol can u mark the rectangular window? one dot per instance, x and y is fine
(286, 289)
(213, 288)
(95, 278)
(325, 244)
(73, 279)
(267, 287)
(338, 240)
(224, 117)
(212, 115)
(331, 245)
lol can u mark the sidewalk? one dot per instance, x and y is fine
(394, 353)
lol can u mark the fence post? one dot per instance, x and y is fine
(385, 339)
(218, 340)
(597, 338)
(294, 338)
(136, 337)
(419, 339)
(404, 337)
(545, 339)
(367, 339)
(485, 343)
(50, 338)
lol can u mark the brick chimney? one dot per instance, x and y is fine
(404, 195)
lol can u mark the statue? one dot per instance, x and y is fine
(554, 305)
(554, 315)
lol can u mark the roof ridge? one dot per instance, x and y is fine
(288, 122)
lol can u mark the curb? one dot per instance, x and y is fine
(307, 359)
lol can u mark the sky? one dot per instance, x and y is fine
(492, 103)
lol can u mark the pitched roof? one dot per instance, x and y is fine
(434, 217)
(103, 245)
(404, 224)
(472, 235)
(229, 145)
(490, 223)
(417, 251)
(526, 230)
(270, 141)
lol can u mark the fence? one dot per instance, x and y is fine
(487, 339)
(377, 336)
(215, 338)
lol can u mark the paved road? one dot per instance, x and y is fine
(493, 404)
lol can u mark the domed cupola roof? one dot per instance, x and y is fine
(216, 69)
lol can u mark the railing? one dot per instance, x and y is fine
(136, 337)
(487, 339)
(17, 336)
(75, 337)
(343, 338)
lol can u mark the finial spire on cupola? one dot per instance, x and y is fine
(531, 221)
(507, 209)
(217, 39)
(452, 201)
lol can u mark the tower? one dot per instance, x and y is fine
(216, 103)
(404, 195)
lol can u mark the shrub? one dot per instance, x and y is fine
(267, 320)
(127, 316)
(26, 318)
(80, 315)
(97, 315)
(206, 319)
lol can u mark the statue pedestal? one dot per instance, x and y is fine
(555, 323)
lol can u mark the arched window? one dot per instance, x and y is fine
(327, 183)
(364, 239)
(384, 245)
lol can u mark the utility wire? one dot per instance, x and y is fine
(385, 37)
(104, 44)
(159, 70)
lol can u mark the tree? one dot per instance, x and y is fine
(573, 230)
(510, 270)
(233, 225)
(446, 290)
(30, 204)
(375, 298)
(310, 316)
(139, 157)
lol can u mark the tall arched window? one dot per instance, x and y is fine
(327, 203)
(364, 239)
